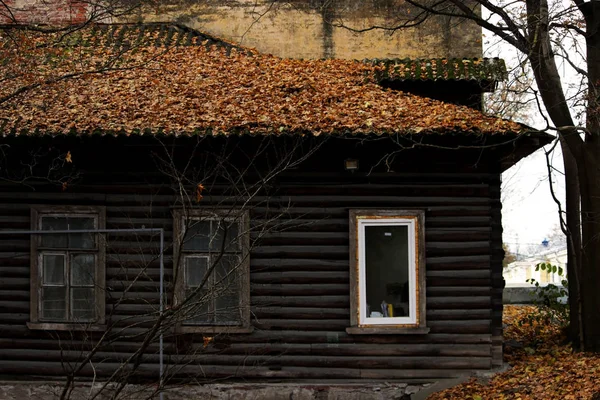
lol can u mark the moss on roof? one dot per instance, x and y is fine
(478, 69)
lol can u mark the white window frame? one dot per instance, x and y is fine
(412, 272)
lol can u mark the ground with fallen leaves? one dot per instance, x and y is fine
(545, 367)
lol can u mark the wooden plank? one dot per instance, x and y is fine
(301, 312)
(460, 274)
(459, 291)
(278, 289)
(322, 252)
(302, 301)
(463, 314)
(14, 271)
(14, 283)
(17, 295)
(14, 306)
(261, 264)
(458, 302)
(461, 326)
(302, 324)
(300, 277)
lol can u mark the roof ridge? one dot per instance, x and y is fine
(139, 34)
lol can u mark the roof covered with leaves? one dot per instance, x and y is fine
(147, 85)
(475, 69)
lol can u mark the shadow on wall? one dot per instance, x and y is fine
(311, 28)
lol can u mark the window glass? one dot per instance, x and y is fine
(196, 268)
(83, 303)
(387, 271)
(197, 236)
(53, 272)
(81, 240)
(198, 307)
(54, 224)
(54, 303)
(83, 269)
(74, 240)
(225, 230)
(227, 296)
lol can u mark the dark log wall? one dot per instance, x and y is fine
(299, 275)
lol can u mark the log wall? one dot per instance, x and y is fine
(299, 278)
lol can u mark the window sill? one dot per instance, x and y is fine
(383, 330)
(54, 326)
(214, 329)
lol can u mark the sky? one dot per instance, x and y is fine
(529, 215)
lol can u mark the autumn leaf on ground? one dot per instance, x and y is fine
(543, 365)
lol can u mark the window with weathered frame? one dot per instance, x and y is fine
(67, 269)
(387, 272)
(212, 284)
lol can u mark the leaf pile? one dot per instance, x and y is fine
(544, 368)
(209, 89)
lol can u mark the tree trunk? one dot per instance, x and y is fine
(590, 213)
(548, 80)
(573, 234)
(589, 179)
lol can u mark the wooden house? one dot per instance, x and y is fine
(297, 220)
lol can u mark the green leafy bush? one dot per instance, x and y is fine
(548, 298)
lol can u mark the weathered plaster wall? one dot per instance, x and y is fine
(291, 28)
(306, 28)
(52, 12)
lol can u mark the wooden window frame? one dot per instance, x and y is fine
(411, 218)
(37, 213)
(243, 270)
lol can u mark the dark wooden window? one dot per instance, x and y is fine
(67, 270)
(387, 271)
(212, 270)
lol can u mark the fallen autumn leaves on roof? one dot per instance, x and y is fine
(545, 368)
(187, 89)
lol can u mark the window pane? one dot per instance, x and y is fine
(387, 266)
(53, 269)
(226, 271)
(83, 304)
(197, 236)
(197, 311)
(81, 240)
(54, 303)
(195, 269)
(229, 230)
(83, 268)
(227, 309)
(54, 224)
(227, 302)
